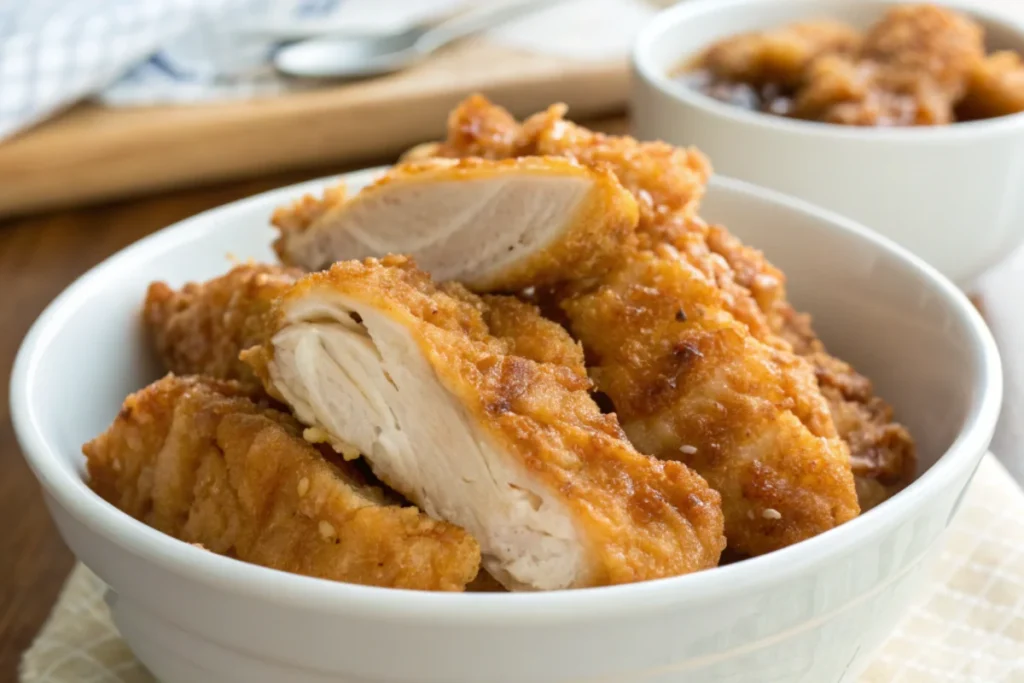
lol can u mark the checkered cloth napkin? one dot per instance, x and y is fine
(141, 52)
(969, 628)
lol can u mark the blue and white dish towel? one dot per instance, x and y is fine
(140, 52)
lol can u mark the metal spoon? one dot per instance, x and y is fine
(373, 55)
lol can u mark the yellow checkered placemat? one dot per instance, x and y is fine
(969, 629)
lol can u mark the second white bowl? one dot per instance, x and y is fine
(953, 195)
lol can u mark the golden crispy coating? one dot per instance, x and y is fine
(713, 251)
(754, 273)
(913, 67)
(532, 221)
(778, 56)
(692, 384)
(530, 335)
(882, 452)
(636, 517)
(201, 328)
(198, 459)
(667, 181)
(929, 40)
(302, 213)
(477, 128)
(995, 87)
(867, 93)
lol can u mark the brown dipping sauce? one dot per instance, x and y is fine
(770, 98)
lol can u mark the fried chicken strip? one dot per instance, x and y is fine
(668, 189)
(373, 355)
(912, 69)
(544, 207)
(778, 56)
(881, 450)
(690, 383)
(995, 87)
(200, 460)
(201, 328)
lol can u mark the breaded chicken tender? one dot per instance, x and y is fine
(929, 40)
(852, 92)
(912, 69)
(882, 453)
(528, 334)
(667, 182)
(201, 328)
(995, 87)
(377, 357)
(200, 460)
(690, 383)
(547, 208)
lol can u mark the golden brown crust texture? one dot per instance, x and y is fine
(302, 213)
(882, 451)
(530, 335)
(995, 87)
(201, 328)
(202, 461)
(692, 384)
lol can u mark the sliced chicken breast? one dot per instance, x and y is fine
(497, 225)
(208, 462)
(377, 359)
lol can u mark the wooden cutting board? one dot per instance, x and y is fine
(92, 153)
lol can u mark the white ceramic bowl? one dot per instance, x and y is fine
(811, 613)
(953, 195)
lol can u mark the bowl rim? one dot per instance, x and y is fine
(672, 20)
(69, 491)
